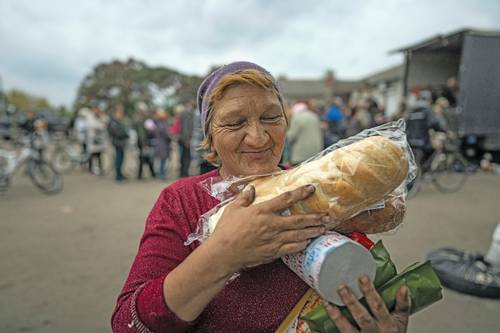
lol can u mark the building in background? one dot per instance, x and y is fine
(323, 90)
(385, 87)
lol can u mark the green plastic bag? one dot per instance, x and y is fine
(421, 280)
(386, 269)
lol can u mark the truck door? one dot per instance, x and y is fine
(479, 95)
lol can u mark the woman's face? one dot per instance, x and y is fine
(248, 130)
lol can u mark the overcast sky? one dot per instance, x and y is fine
(46, 47)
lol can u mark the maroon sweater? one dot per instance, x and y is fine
(257, 301)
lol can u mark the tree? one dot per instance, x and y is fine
(24, 101)
(131, 82)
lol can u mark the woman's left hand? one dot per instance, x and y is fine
(382, 320)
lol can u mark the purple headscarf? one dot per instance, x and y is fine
(211, 81)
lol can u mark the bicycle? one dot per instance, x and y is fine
(446, 168)
(41, 173)
(66, 157)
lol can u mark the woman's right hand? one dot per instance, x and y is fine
(250, 235)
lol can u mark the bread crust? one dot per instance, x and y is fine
(348, 180)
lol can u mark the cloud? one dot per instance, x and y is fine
(48, 46)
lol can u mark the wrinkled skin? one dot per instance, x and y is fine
(382, 321)
(248, 131)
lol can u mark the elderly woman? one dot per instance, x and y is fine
(176, 288)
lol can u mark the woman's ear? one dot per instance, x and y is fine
(217, 160)
(212, 156)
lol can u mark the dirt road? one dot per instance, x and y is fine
(64, 258)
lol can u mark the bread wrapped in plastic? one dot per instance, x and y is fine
(351, 177)
(348, 180)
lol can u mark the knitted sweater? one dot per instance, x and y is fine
(256, 301)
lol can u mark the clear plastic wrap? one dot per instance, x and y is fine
(360, 182)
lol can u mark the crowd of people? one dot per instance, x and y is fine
(314, 127)
(153, 132)
(156, 132)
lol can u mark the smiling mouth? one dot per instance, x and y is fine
(256, 152)
(257, 155)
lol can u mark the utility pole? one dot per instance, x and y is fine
(3, 99)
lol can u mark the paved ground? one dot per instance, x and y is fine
(64, 258)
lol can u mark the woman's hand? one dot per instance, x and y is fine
(382, 321)
(250, 235)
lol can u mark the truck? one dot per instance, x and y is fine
(472, 57)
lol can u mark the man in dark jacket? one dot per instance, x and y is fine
(418, 123)
(28, 126)
(144, 140)
(119, 138)
(450, 91)
(186, 117)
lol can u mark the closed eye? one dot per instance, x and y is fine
(235, 124)
(272, 119)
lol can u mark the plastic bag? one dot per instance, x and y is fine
(366, 173)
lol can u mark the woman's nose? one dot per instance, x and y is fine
(256, 136)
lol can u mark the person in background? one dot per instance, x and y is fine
(174, 130)
(80, 129)
(186, 119)
(335, 122)
(376, 112)
(144, 141)
(450, 91)
(96, 139)
(28, 125)
(304, 134)
(313, 105)
(418, 123)
(352, 123)
(204, 165)
(162, 142)
(285, 157)
(438, 110)
(362, 115)
(175, 127)
(39, 137)
(119, 138)
(450, 115)
(196, 139)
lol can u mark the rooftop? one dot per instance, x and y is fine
(452, 41)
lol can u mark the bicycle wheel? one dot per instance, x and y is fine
(449, 172)
(44, 177)
(63, 162)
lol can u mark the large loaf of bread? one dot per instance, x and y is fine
(348, 180)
